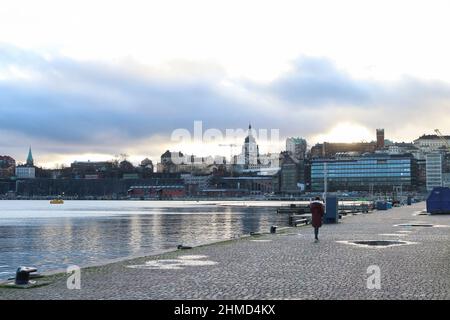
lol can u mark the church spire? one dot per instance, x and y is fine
(30, 161)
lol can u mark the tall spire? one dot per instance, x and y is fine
(30, 161)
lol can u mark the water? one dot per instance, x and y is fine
(51, 237)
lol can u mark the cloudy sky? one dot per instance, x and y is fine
(91, 79)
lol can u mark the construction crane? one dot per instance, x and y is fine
(441, 136)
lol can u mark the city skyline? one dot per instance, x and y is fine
(135, 160)
(88, 86)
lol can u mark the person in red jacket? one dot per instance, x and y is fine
(317, 212)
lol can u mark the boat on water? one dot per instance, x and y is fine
(56, 201)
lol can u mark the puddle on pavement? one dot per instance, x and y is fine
(426, 225)
(377, 243)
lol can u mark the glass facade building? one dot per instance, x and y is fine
(379, 172)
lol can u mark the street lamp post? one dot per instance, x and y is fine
(325, 176)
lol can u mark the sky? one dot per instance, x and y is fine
(91, 79)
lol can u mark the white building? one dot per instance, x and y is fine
(434, 165)
(249, 157)
(394, 149)
(25, 172)
(432, 142)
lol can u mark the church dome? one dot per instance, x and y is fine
(250, 138)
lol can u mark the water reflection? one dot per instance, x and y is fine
(55, 242)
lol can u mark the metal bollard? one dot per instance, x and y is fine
(23, 275)
(273, 229)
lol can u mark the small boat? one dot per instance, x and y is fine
(56, 201)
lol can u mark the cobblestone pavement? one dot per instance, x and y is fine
(288, 265)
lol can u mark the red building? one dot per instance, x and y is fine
(157, 192)
(380, 138)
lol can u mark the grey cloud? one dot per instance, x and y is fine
(93, 103)
(94, 106)
(316, 82)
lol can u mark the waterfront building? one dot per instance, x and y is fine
(7, 167)
(93, 166)
(90, 187)
(28, 170)
(90, 169)
(25, 172)
(296, 147)
(160, 192)
(177, 162)
(401, 147)
(292, 174)
(378, 172)
(255, 185)
(434, 170)
(446, 170)
(432, 142)
(195, 183)
(147, 165)
(421, 175)
(145, 168)
(327, 149)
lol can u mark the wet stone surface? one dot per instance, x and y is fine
(378, 243)
(286, 267)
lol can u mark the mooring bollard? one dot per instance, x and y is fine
(273, 229)
(23, 275)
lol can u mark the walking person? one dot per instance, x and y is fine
(317, 212)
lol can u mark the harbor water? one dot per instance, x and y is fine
(54, 236)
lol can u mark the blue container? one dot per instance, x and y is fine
(331, 210)
(382, 205)
(438, 200)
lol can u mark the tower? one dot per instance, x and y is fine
(250, 151)
(380, 138)
(30, 161)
